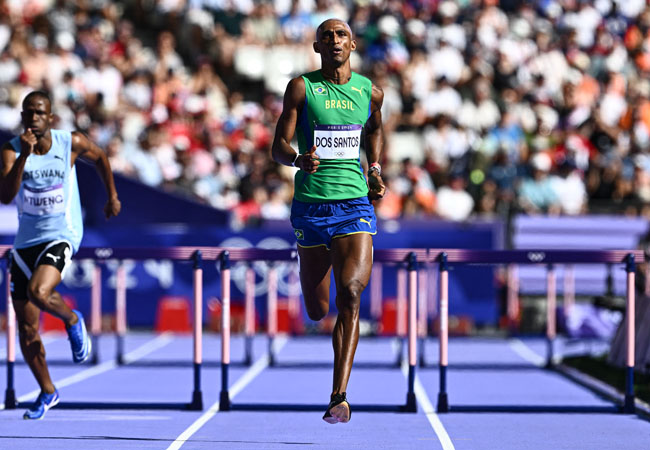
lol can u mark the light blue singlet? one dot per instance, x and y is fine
(48, 202)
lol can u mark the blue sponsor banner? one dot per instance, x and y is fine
(471, 288)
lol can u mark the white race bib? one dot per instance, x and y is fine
(337, 141)
(39, 202)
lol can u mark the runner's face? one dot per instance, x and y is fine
(36, 115)
(335, 42)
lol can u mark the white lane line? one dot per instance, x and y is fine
(148, 347)
(134, 355)
(526, 353)
(429, 410)
(236, 388)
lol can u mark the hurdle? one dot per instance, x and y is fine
(225, 258)
(100, 255)
(96, 312)
(410, 257)
(271, 311)
(446, 257)
(377, 309)
(10, 391)
(423, 305)
(249, 315)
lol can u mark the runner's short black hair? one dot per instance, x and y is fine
(38, 94)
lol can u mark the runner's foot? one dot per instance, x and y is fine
(338, 410)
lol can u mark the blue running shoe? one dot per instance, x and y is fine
(41, 405)
(79, 340)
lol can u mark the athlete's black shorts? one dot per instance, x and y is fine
(25, 260)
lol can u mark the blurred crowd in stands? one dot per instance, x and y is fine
(491, 107)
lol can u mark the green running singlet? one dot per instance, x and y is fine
(333, 118)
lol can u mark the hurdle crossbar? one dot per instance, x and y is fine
(411, 256)
(445, 257)
(195, 254)
(101, 255)
(398, 256)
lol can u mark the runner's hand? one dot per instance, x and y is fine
(27, 142)
(376, 186)
(308, 161)
(112, 208)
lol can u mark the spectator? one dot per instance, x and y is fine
(296, 25)
(276, 207)
(454, 202)
(569, 189)
(473, 86)
(142, 156)
(536, 195)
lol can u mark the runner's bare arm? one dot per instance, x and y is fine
(374, 143)
(84, 148)
(11, 171)
(282, 151)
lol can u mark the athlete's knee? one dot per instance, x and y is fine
(316, 314)
(39, 295)
(352, 290)
(349, 295)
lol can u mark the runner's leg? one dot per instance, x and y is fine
(27, 315)
(352, 264)
(315, 269)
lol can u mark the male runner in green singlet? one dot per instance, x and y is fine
(331, 214)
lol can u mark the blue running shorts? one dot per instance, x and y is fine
(316, 224)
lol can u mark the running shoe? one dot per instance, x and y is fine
(338, 410)
(79, 340)
(41, 405)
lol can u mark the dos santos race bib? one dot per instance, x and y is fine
(337, 141)
(39, 202)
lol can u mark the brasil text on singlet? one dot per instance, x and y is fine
(332, 119)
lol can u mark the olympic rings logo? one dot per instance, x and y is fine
(103, 253)
(536, 256)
